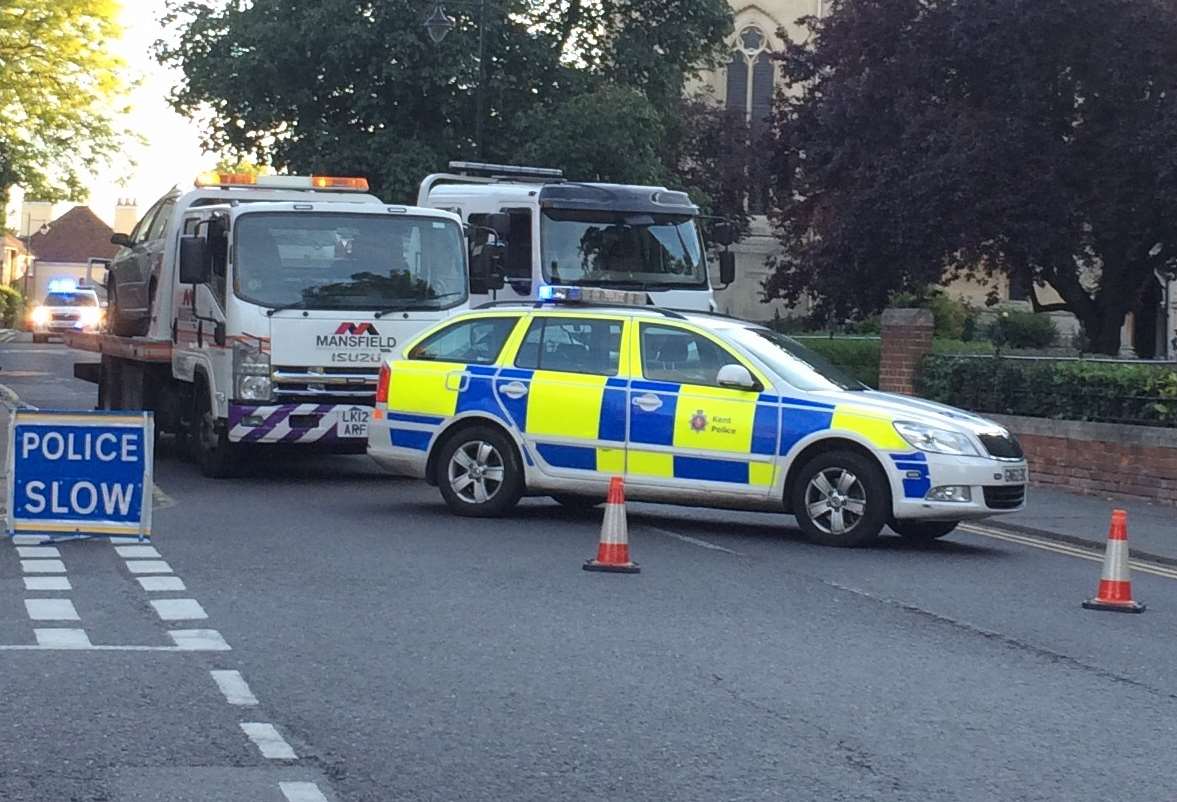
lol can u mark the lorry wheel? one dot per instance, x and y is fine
(922, 531)
(215, 455)
(841, 498)
(478, 472)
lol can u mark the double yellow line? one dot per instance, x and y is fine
(1058, 547)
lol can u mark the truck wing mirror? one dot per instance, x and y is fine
(195, 260)
(486, 268)
(723, 233)
(727, 268)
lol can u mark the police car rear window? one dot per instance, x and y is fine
(471, 342)
(572, 345)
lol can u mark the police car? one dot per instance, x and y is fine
(65, 307)
(690, 408)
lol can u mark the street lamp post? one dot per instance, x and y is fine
(438, 24)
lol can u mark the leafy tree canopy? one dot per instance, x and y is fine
(58, 84)
(933, 138)
(358, 87)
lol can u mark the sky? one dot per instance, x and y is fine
(170, 153)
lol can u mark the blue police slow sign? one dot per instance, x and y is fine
(80, 473)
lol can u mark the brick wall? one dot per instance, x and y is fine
(1097, 458)
(907, 339)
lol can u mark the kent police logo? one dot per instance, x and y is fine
(699, 421)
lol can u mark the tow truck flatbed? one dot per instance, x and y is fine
(139, 349)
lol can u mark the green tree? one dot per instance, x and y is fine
(927, 139)
(59, 88)
(335, 85)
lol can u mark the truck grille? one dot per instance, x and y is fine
(1004, 497)
(1002, 446)
(300, 384)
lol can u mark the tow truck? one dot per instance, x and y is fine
(559, 232)
(273, 304)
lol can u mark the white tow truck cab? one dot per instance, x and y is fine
(273, 310)
(619, 236)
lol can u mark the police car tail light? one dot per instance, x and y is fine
(555, 293)
(382, 384)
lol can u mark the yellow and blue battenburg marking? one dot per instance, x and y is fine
(917, 479)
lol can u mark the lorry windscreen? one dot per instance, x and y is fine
(339, 260)
(621, 249)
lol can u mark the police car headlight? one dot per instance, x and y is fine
(89, 315)
(40, 316)
(936, 441)
(251, 373)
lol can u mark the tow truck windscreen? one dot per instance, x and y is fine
(620, 249)
(309, 260)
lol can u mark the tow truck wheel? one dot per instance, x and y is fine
(478, 472)
(841, 498)
(212, 450)
(922, 531)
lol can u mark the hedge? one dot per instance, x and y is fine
(11, 305)
(1080, 390)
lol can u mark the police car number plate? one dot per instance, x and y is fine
(1015, 474)
(353, 422)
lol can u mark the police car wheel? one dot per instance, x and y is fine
(841, 499)
(922, 531)
(478, 473)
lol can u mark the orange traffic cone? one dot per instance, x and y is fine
(613, 551)
(1115, 585)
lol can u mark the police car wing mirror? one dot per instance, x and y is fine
(727, 268)
(737, 377)
(195, 260)
(122, 240)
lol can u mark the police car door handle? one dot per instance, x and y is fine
(514, 390)
(648, 402)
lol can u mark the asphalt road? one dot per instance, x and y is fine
(401, 653)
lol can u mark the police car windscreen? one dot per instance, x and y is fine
(801, 367)
(348, 261)
(70, 299)
(621, 249)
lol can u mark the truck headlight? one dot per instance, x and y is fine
(251, 374)
(936, 441)
(40, 315)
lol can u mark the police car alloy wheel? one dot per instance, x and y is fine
(923, 531)
(841, 499)
(478, 472)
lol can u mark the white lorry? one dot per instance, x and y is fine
(270, 307)
(561, 232)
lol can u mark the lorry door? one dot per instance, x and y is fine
(198, 311)
(520, 267)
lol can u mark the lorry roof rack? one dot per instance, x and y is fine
(510, 172)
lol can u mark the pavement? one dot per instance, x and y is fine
(357, 642)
